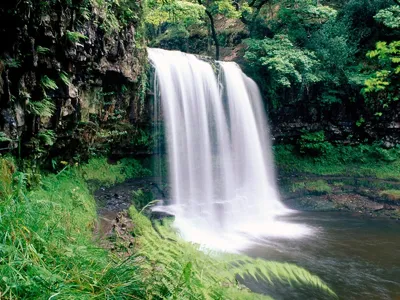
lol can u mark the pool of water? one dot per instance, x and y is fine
(358, 257)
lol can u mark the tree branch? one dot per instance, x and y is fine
(213, 31)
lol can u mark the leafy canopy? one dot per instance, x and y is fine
(286, 63)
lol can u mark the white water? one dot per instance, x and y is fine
(220, 163)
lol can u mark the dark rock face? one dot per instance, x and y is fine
(97, 74)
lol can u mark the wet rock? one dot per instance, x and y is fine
(388, 145)
(87, 63)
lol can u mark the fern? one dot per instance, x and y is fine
(75, 37)
(47, 137)
(12, 63)
(48, 83)
(4, 137)
(42, 50)
(44, 108)
(65, 78)
(174, 269)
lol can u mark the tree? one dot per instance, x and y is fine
(382, 87)
(284, 64)
(228, 8)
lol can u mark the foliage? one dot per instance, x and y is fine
(74, 36)
(382, 87)
(335, 50)
(48, 83)
(358, 160)
(299, 17)
(390, 17)
(116, 14)
(314, 143)
(42, 50)
(179, 270)
(132, 168)
(4, 138)
(284, 64)
(44, 108)
(47, 137)
(384, 82)
(11, 63)
(47, 245)
(173, 12)
(98, 170)
(141, 198)
(65, 78)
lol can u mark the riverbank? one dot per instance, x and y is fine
(53, 243)
(363, 179)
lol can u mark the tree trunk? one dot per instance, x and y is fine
(214, 34)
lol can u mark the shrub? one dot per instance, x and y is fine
(314, 143)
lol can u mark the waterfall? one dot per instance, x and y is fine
(220, 163)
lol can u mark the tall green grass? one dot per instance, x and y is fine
(47, 249)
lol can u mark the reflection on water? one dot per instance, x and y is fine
(358, 257)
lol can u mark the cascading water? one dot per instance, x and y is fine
(220, 162)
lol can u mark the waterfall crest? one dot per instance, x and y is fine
(220, 163)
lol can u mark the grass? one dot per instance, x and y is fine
(47, 249)
(313, 186)
(100, 173)
(361, 160)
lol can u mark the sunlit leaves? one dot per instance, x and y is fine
(384, 83)
(390, 16)
(286, 63)
(174, 11)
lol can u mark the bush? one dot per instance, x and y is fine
(314, 143)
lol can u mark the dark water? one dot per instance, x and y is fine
(358, 257)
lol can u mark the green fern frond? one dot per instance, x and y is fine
(75, 37)
(42, 50)
(44, 108)
(47, 137)
(212, 275)
(48, 83)
(65, 78)
(4, 137)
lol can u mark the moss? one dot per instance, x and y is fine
(313, 187)
(392, 195)
(357, 161)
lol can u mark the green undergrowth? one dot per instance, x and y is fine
(174, 269)
(360, 160)
(315, 187)
(99, 171)
(47, 249)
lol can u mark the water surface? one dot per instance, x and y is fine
(358, 257)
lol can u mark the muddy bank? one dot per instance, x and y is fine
(114, 227)
(367, 196)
